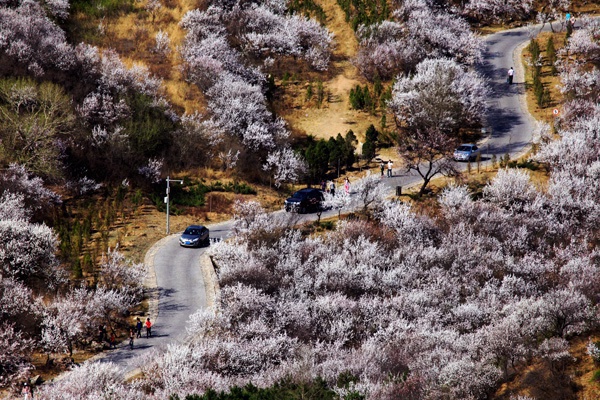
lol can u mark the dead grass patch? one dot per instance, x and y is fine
(335, 115)
(133, 34)
(550, 82)
(541, 382)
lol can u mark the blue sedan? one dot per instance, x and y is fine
(195, 236)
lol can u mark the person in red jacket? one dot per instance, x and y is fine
(148, 328)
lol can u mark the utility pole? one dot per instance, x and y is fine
(167, 197)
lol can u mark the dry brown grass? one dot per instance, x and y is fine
(586, 7)
(541, 382)
(551, 82)
(335, 115)
(583, 369)
(133, 35)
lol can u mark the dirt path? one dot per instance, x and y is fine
(336, 23)
(335, 115)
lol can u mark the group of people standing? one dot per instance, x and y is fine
(390, 166)
(139, 325)
(27, 389)
(329, 186)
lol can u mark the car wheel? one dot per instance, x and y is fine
(207, 241)
(302, 210)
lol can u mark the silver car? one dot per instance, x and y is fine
(467, 152)
(195, 236)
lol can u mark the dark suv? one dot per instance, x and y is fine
(305, 200)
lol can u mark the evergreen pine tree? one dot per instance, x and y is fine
(349, 148)
(551, 54)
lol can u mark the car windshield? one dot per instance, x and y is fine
(300, 195)
(464, 148)
(191, 231)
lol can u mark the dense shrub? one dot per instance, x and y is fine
(193, 194)
(593, 349)
(308, 8)
(37, 123)
(364, 12)
(284, 390)
(335, 153)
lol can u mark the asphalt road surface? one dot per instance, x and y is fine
(181, 292)
(179, 279)
(509, 125)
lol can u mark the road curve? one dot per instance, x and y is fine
(178, 290)
(509, 124)
(179, 281)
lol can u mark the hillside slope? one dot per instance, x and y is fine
(132, 34)
(336, 115)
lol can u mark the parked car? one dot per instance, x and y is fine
(195, 236)
(467, 152)
(305, 200)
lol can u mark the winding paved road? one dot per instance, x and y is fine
(177, 290)
(511, 125)
(178, 278)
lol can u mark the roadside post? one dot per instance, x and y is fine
(169, 180)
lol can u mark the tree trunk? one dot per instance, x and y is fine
(424, 186)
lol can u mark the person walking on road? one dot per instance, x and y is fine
(332, 188)
(382, 167)
(131, 337)
(148, 328)
(138, 327)
(390, 165)
(511, 74)
(347, 185)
